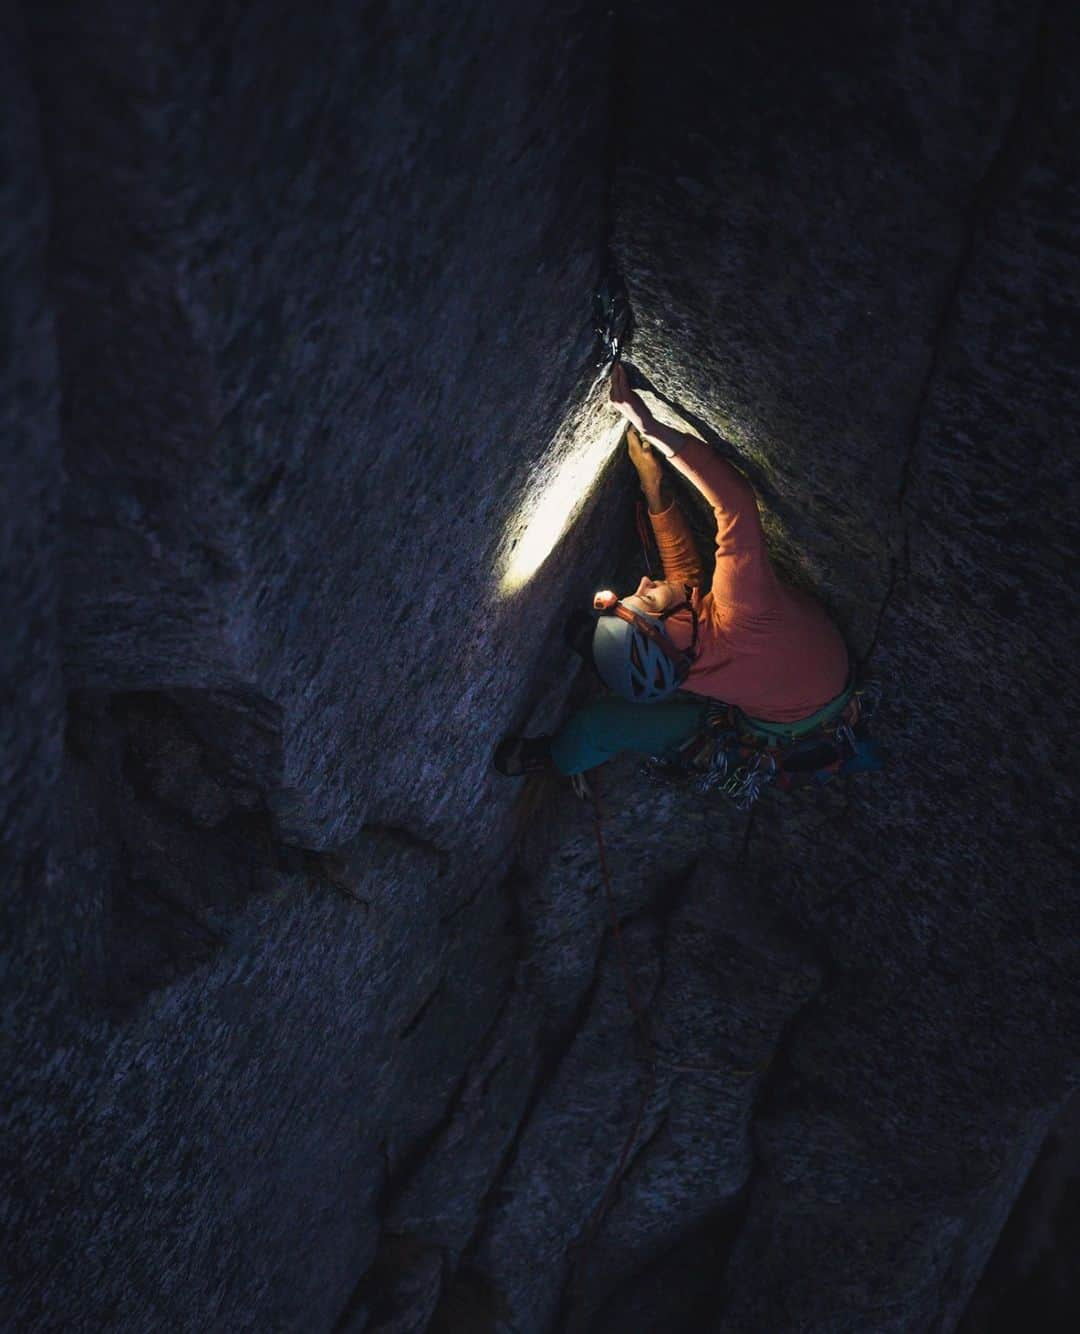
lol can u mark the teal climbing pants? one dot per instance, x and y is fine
(609, 725)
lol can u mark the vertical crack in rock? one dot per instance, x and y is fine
(398, 1285)
(661, 911)
(867, 655)
(991, 187)
(397, 1181)
(774, 1072)
(466, 902)
(571, 1317)
(270, 294)
(553, 1053)
(415, 1020)
(615, 45)
(1006, 161)
(400, 836)
(772, 1080)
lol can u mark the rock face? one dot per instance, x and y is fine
(874, 320)
(311, 1021)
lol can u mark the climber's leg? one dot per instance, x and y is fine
(609, 725)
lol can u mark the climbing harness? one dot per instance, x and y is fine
(738, 756)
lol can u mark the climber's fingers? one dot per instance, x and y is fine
(627, 401)
(620, 384)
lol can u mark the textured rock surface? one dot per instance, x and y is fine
(311, 1022)
(301, 409)
(320, 288)
(32, 719)
(1031, 1276)
(873, 318)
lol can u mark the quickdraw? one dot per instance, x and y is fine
(611, 318)
(612, 323)
(738, 757)
(745, 783)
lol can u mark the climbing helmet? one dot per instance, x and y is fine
(634, 653)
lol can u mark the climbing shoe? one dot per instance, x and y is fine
(516, 756)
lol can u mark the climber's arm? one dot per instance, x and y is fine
(727, 490)
(630, 404)
(743, 574)
(666, 439)
(674, 541)
(731, 496)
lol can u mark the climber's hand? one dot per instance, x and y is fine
(650, 471)
(626, 401)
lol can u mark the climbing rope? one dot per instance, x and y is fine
(646, 537)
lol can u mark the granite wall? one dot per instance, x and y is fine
(310, 1020)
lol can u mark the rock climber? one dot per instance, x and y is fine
(672, 648)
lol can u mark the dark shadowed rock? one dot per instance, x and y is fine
(31, 724)
(322, 288)
(844, 279)
(311, 1022)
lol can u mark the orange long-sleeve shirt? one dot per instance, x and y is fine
(767, 648)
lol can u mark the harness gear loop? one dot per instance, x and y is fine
(738, 756)
(782, 734)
